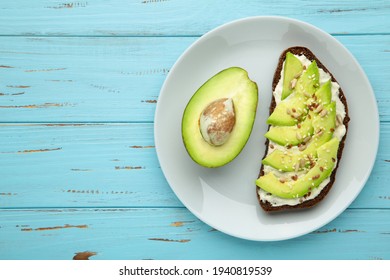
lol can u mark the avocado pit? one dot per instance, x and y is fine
(217, 121)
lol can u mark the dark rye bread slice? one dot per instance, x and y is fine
(268, 207)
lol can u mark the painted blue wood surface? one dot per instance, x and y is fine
(175, 17)
(66, 79)
(79, 82)
(171, 233)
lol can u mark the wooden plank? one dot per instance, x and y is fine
(119, 79)
(111, 165)
(367, 53)
(78, 164)
(177, 234)
(84, 79)
(138, 18)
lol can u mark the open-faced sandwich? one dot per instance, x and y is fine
(308, 124)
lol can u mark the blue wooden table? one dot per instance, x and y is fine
(79, 175)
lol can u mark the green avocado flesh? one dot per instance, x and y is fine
(293, 69)
(290, 135)
(327, 155)
(301, 127)
(280, 115)
(305, 87)
(309, 80)
(231, 83)
(323, 128)
(324, 93)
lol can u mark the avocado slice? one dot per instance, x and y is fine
(292, 70)
(290, 135)
(324, 93)
(230, 84)
(285, 161)
(309, 80)
(323, 128)
(290, 110)
(327, 155)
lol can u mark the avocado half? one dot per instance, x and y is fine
(231, 83)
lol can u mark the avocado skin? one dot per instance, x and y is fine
(232, 83)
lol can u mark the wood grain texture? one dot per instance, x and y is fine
(119, 79)
(81, 164)
(84, 79)
(110, 165)
(173, 18)
(149, 234)
(79, 176)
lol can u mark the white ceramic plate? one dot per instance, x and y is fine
(225, 198)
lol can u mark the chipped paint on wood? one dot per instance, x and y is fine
(141, 147)
(384, 197)
(7, 194)
(163, 71)
(33, 151)
(6, 66)
(170, 240)
(104, 88)
(45, 70)
(97, 192)
(153, 1)
(331, 11)
(22, 226)
(338, 230)
(325, 231)
(177, 224)
(17, 93)
(180, 223)
(69, 5)
(128, 167)
(350, 230)
(82, 191)
(387, 160)
(150, 101)
(79, 256)
(35, 106)
(55, 228)
(72, 124)
(20, 86)
(67, 81)
(80, 169)
(39, 150)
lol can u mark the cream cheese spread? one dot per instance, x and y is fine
(339, 133)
